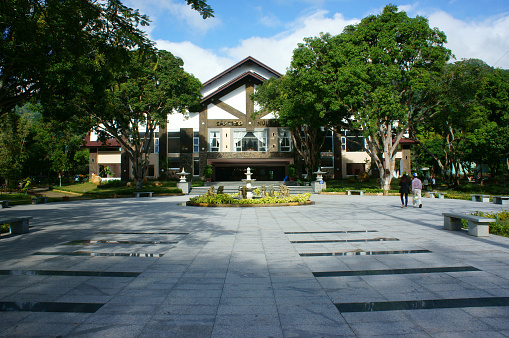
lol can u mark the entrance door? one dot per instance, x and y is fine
(260, 173)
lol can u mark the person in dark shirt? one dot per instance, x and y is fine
(404, 190)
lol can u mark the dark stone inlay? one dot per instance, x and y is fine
(105, 241)
(50, 307)
(328, 232)
(380, 239)
(393, 271)
(141, 233)
(362, 253)
(423, 304)
(68, 273)
(86, 253)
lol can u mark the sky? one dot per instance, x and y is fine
(269, 30)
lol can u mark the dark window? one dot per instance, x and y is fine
(354, 168)
(173, 163)
(174, 141)
(328, 143)
(354, 142)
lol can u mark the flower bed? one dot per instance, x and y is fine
(230, 200)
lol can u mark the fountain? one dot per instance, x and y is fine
(248, 181)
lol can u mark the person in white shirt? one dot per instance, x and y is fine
(416, 191)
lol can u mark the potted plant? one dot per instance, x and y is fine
(291, 172)
(208, 173)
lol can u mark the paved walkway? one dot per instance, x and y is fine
(152, 267)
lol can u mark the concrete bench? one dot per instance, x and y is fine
(39, 200)
(18, 225)
(360, 192)
(480, 198)
(477, 226)
(434, 194)
(501, 199)
(139, 193)
(5, 204)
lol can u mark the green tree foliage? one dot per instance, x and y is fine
(33, 147)
(471, 123)
(139, 99)
(377, 78)
(14, 131)
(51, 48)
(296, 110)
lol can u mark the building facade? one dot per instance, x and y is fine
(226, 135)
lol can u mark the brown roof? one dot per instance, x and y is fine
(248, 59)
(109, 143)
(405, 140)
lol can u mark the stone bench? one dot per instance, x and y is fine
(434, 194)
(5, 204)
(480, 198)
(359, 192)
(477, 226)
(39, 200)
(139, 193)
(18, 225)
(501, 199)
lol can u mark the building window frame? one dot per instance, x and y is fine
(285, 140)
(255, 141)
(214, 140)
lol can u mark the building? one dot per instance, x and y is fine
(225, 135)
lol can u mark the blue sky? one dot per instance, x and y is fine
(270, 30)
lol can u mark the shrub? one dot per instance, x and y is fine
(231, 199)
(363, 177)
(501, 227)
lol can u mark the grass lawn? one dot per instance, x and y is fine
(118, 188)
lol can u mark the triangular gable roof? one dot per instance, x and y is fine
(232, 82)
(248, 59)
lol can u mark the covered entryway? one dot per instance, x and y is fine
(262, 169)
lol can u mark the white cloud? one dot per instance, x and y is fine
(487, 40)
(162, 10)
(276, 52)
(202, 63)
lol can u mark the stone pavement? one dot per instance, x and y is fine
(346, 266)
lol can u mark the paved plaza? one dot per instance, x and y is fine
(353, 266)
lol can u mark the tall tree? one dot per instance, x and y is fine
(298, 114)
(52, 47)
(14, 130)
(377, 78)
(472, 121)
(139, 99)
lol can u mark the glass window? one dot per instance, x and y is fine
(196, 166)
(250, 141)
(327, 161)
(150, 171)
(155, 145)
(354, 168)
(354, 142)
(174, 141)
(214, 140)
(173, 163)
(328, 142)
(285, 140)
(196, 142)
(343, 143)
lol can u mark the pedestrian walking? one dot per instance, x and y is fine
(404, 190)
(416, 191)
